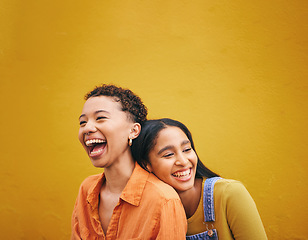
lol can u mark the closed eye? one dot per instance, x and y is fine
(168, 155)
(100, 118)
(187, 150)
(82, 123)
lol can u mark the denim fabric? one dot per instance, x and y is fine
(208, 199)
(207, 235)
(209, 212)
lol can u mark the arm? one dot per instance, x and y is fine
(172, 223)
(242, 214)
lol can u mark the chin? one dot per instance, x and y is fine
(97, 164)
(183, 189)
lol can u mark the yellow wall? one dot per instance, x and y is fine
(234, 71)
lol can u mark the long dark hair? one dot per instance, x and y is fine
(150, 129)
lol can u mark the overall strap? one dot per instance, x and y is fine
(208, 199)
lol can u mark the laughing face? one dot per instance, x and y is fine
(105, 130)
(173, 160)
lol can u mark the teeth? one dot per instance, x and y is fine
(92, 141)
(182, 174)
(97, 151)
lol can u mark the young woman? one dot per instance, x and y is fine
(216, 208)
(124, 202)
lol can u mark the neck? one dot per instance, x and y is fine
(191, 198)
(118, 175)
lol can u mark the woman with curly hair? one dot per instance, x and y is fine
(124, 202)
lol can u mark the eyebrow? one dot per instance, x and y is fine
(96, 112)
(171, 146)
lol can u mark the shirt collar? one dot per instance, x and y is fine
(132, 192)
(134, 188)
(93, 196)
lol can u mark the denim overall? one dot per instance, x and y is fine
(209, 212)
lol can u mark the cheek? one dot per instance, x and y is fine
(80, 136)
(161, 174)
(119, 133)
(193, 158)
(160, 168)
(195, 163)
(155, 165)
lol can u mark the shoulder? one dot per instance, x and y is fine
(229, 189)
(88, 182)
(233, 199)
(88, 186)
(229, 185)
(158, 187)
(91, 179)
(225, 182)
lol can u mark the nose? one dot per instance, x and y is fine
(89, 128)
(181, 159)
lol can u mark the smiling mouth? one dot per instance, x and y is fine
(95, 146)
(183, 174)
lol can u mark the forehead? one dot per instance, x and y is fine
(101, 103)
(170, 135)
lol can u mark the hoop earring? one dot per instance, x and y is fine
(130, 142)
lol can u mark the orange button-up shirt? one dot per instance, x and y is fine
(147, 209)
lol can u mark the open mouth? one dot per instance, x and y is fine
(95, 146)
(182, 174)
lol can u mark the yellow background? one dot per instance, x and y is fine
(234, 71)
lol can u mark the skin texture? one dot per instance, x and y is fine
(103, 120)
(173, 160)
(237, 213)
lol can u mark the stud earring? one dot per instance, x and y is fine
(130, 142)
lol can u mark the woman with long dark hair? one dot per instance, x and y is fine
(215, 208)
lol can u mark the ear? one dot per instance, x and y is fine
(149, 167)
(135, 131)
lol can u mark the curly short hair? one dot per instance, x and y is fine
(130, 102)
